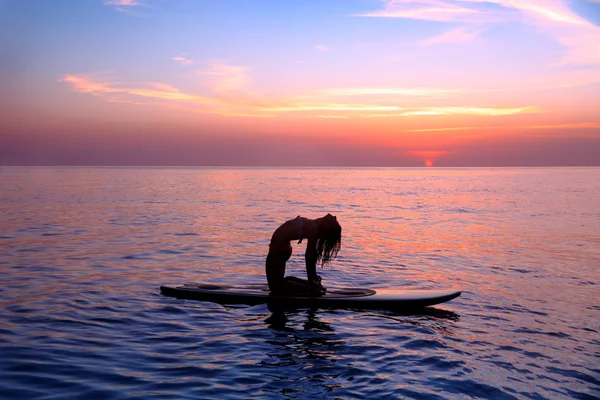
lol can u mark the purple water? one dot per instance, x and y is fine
(83, 252)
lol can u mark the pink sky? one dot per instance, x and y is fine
(390, 83)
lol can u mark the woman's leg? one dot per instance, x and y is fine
(289, 285)
(275, 268)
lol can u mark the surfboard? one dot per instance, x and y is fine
(393, 299)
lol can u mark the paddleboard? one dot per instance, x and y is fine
(393, 299)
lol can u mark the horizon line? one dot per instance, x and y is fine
(293, 166)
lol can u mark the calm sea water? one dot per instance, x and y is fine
(83, 252)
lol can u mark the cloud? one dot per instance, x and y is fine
(83, 84)
(368, 91)
(329, 107)
(459, 35)
(228, 86)
(400, 111)
(556, 80)
(230, 94)
(577, 35)
(124, 6)
(446, 111)
(545, 10)
(183, 61)
(581, 125)
(224, 78)
(430, 10)
(489, 111)
(123, 3)
(477, 11)
(320, 47)
(582, 47)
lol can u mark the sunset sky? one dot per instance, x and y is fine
(300, 82)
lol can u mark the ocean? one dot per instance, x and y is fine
(83, 252)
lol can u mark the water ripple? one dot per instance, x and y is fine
(81, 315)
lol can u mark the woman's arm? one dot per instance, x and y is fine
(311, 259)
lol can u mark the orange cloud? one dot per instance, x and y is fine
(231, 95)
(482, 111)
(235, 105)
(369, 91)
(491, 111)
(582, 125)
(329, 107)
(160, 91)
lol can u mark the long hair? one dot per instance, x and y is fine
(330, 240)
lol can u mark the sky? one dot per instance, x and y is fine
(445, 83)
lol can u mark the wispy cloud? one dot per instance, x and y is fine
(183, 61)
(231, 94)
(329, 107)
(228, 86)
(320, 47)
(477, 11)
(123, 3)
(394, 91)
(225, 78)
(447, 111)
(577, 35)
(431, 10)
(459, 35)
(582, 125)
(582, 44)
(489, 111)
(545, 10)
(558, 80)
(125, 6)
(85, 84)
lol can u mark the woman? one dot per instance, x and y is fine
(324, 237)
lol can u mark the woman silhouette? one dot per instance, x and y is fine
(324, 238)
